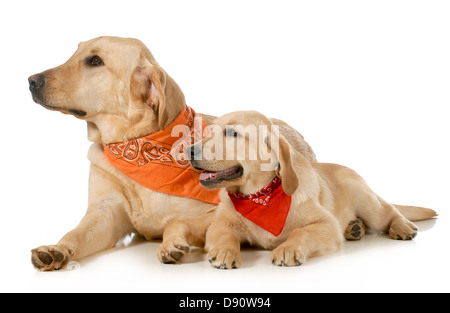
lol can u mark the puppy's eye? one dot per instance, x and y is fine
(230, 132)
(96, 61)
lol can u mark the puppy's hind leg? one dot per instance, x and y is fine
(383, 216)
(355, 230)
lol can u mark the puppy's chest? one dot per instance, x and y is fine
(261, 238)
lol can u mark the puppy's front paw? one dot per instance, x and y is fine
(50, 258)
(171, 252)
(287, 255)
(224, 257)
(402, 229)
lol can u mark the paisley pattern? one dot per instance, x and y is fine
(159, 161)
(148, 149)
(154, 152)
(263, 196)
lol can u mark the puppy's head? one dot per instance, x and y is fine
(108, 80)
(244, 149)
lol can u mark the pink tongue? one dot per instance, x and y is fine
(208, 176)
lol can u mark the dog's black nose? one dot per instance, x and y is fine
(194, 152)
(36, 81)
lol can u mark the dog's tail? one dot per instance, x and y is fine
(415, 213)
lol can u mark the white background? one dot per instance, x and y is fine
(366, 83)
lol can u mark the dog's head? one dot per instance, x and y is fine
(244, 152)
(112, 83)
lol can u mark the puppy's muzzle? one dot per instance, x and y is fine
(194, 153)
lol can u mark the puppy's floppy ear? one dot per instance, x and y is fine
(301, 177)
(285, 170)
(147, 85)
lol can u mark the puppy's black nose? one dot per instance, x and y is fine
(36, 81)
(194, 152)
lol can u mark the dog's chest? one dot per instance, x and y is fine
(148, 211)
(158, 209)
(261, 238)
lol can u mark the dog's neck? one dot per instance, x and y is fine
(117, 128)
(254, 183)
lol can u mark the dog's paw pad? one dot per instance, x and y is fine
(171, 252)
(355, 230)
(50, 258)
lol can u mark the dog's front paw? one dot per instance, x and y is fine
(172, 251)
(50, 258)
(288, 255)
(224, 257)
(402, 229)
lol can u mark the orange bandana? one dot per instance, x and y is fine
(268, 208)
(159, 161)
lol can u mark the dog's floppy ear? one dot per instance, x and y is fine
(285, 170)
(147, 85)
(295, 171)
(151, 85)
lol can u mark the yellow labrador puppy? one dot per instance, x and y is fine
(297, 208)
(118, 88)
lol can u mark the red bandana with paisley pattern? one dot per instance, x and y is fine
(268, 208)
(159, 161)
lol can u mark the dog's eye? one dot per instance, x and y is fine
(96, 61)
(230, 132)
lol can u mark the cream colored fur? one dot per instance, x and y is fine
(126, 97)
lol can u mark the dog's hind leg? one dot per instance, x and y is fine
(380, 215)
